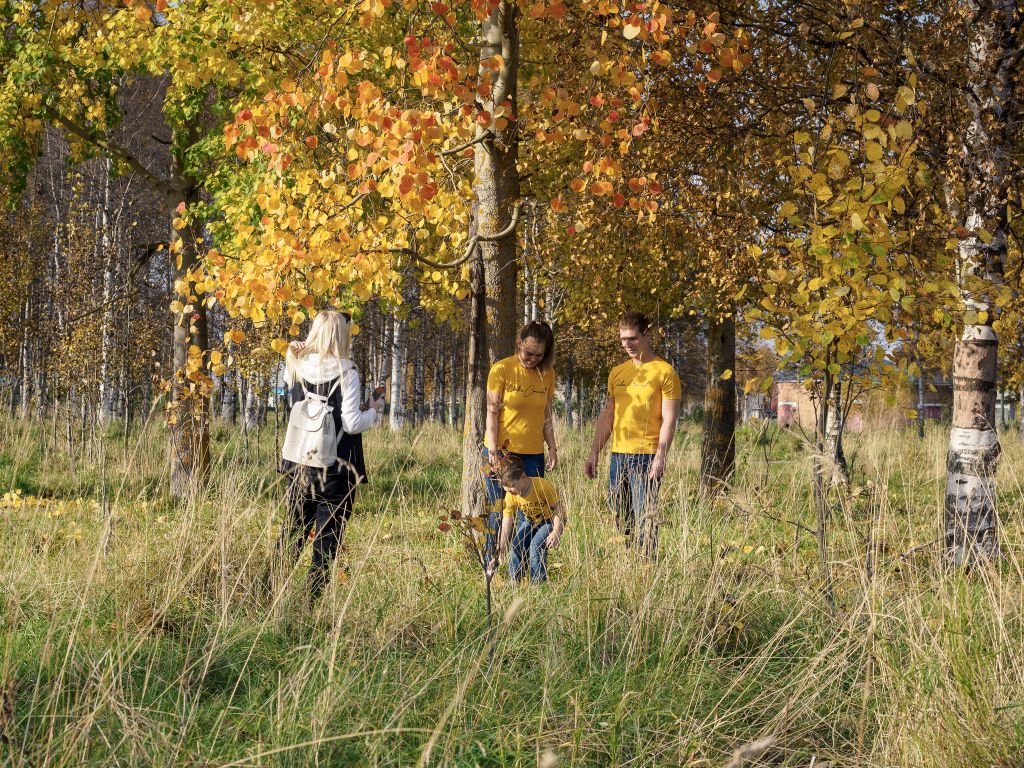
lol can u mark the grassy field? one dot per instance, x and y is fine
(137, 632)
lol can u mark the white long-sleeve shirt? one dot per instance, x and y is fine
(313, 370)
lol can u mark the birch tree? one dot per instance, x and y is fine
(993, 104)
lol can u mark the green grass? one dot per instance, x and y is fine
(137, 631)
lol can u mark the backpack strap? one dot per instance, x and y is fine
(305, 392)
(337, 383)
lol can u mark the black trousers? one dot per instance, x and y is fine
(323, 507)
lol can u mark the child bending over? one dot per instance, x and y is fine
(532, 502)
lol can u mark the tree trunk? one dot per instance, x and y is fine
(453, 390)
(920, 406)
(108, 258)
(822, 471)
(419, 386)
(567, 393)
(437, 396)
(839, 471)
(993, 102)
(251, 412)
(473, 496)
(396, 416)
(1020, 413)
(718, 440)
(25, 362)
(496, 180)
(190, 422)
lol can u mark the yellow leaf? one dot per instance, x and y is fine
(726, 374)
(630, 31)
(873, 151)
(788, 209)
(809, 105)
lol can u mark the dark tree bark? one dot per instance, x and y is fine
(718, 440)
(190, 428)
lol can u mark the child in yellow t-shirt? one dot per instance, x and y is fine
(532, 504)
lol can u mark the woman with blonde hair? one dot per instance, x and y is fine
(321, 499)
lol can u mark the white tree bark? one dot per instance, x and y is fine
(992, 101)
(397, 415)
(108, 257)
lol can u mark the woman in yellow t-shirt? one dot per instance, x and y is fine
(519, 393)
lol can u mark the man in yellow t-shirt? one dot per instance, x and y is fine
(533, 510)
(639, 415)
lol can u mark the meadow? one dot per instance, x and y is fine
(135, 631)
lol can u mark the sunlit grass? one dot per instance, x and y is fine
(140, 632)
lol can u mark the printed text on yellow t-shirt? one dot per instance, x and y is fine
(637, 392)
(525, 394)
(536, 506)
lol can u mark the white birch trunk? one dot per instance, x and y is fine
(108, 397)
(992, 101)
(397, 414)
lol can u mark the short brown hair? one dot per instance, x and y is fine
(636, 320)
(510, 469)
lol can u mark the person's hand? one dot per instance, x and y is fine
(552, 458)
(297, 346)
(591, 468)
(492, 567)
(551, 542)
(657, 468)
(377, 404)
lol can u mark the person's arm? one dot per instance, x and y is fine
(502, 545)
(669, 414)
(495, 396)
(603, 430)
(505, 533)
(557, 526)
(354, 420)
(549, 437)
(494, 406)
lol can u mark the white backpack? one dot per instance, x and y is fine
(311, 439)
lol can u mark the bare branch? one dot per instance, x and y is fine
(485, 136)
(114, 151)
(507, 230)
(470, 246)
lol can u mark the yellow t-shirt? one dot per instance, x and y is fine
(637, 391)
(536, 506)
(525, 394)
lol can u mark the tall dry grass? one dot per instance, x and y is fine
(140, 632)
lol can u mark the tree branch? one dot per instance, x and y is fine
(507, 230)
(113, 150)
(485, 136)
(470, 246)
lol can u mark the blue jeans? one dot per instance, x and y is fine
(529, 541)
(533, 463)
(632, 496)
